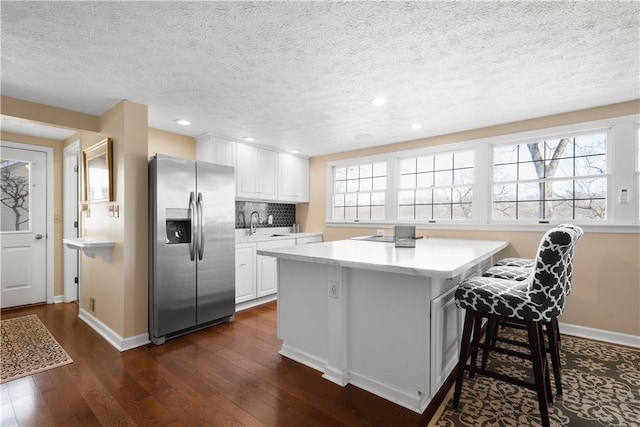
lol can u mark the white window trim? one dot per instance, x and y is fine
(622, 145)
(571, 134)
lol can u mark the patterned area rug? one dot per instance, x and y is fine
(601, 387)
(27, 348)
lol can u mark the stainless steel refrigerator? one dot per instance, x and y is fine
(191, 246)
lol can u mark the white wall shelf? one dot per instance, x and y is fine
(91, 247)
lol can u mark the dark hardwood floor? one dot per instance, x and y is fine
(227, 375)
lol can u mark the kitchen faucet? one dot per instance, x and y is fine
(252, 226)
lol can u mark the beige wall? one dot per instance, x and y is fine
(171, 144)
(120, 287)
(58, 285)
(606, 291)
(58, 117)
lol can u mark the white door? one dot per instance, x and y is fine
(23, 233)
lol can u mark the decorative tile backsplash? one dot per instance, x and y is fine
(284, 215)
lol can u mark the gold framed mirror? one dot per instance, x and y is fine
(98, 172)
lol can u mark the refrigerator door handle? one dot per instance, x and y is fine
(200, 205)
(192, 217)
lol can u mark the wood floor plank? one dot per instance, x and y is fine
(227, 375)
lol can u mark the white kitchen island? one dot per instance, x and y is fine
(379, 317)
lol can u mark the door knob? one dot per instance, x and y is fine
(38, 236)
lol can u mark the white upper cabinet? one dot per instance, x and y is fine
(261, 174)
(293, 178)
(215, 150)
(256, 173)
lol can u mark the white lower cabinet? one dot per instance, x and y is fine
(267, 271)
(267, 280)
(257, 275)
(245, 272)
(446, 332)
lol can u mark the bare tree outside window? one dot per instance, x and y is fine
(562, 178)
(14, 195)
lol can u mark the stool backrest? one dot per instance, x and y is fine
(550, 279)
(579, 232)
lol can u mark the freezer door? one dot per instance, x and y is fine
(172, 270)
(216, 238)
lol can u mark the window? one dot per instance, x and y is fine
(571, 173)
(14, 194)
(555, 179)
(359, 191)
(436, 187)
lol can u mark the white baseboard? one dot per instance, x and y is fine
(335, 375)
(58, 299)
(600, 335)
(121, 344)
(255, 302)
(303, 357)
(410, 399)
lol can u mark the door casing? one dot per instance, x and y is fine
(70, 192)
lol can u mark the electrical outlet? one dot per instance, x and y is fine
(334, 289)
(379, 232)
(92, 304)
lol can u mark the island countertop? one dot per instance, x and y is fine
(433, 257)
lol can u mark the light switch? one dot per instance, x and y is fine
(624, 196)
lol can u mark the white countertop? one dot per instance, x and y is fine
(273, 236)
(433, 257)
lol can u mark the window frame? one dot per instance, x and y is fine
(623, 171)
(434, 154)
(543, 138)
(330, 187)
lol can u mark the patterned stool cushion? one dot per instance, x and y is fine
(509, 273)
(540, 297)
(530, 262)
(516, 262)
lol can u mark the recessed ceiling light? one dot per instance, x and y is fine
(416, 126)
(294, 151)
(378, 101)
(182, 122)
(248, 139)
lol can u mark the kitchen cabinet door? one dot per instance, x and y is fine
(293, 178)
(256, 173)
(267, 283)
(246, 171)
(215, 150)
(267, 174)
(302, 180)
(267, 267)
(446, 327)
(245, 272)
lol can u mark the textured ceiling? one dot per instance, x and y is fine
(303, 74)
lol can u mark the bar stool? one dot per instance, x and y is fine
(508, 272)
(530, 262)
(516, 262)
(531, 302)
